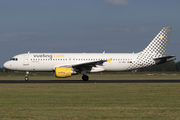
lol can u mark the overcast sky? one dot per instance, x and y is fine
(114, 26)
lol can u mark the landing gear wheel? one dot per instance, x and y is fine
(85, 78)
(26, 78)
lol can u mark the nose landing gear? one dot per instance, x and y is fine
(26, 76)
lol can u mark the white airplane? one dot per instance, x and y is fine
(68, 64)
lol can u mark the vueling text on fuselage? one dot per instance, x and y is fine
(48, 56)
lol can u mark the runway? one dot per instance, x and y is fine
(90, 81)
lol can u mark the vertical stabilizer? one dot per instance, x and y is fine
(156, 49)
(159, 44)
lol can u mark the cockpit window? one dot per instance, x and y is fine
(14, 59)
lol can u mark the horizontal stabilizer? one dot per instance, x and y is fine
(166, 58)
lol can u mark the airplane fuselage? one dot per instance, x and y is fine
(49, 61)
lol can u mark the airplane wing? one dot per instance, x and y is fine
(90, 64)
(87, 65)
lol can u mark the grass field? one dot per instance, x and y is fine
(136, 101)
(96, 76)
(95, 101)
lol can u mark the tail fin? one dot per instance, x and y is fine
(159, 44)
(155, 52)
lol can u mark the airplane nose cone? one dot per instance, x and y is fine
(6, 65)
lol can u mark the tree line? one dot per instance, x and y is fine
(165, 67)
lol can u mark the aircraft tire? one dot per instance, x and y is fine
(85, 78)
(26, 78)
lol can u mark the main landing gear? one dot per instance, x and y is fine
(85, 77)
(26, 76)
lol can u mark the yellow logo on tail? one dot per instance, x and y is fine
(161, 37)
(109, 60)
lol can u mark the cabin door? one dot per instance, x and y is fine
(26, 59)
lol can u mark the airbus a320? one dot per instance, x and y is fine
(68, 64)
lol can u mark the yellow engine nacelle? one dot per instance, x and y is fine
(63, 72)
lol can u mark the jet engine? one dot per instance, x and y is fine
(63, 72)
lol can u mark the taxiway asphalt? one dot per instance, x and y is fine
(90, 81)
